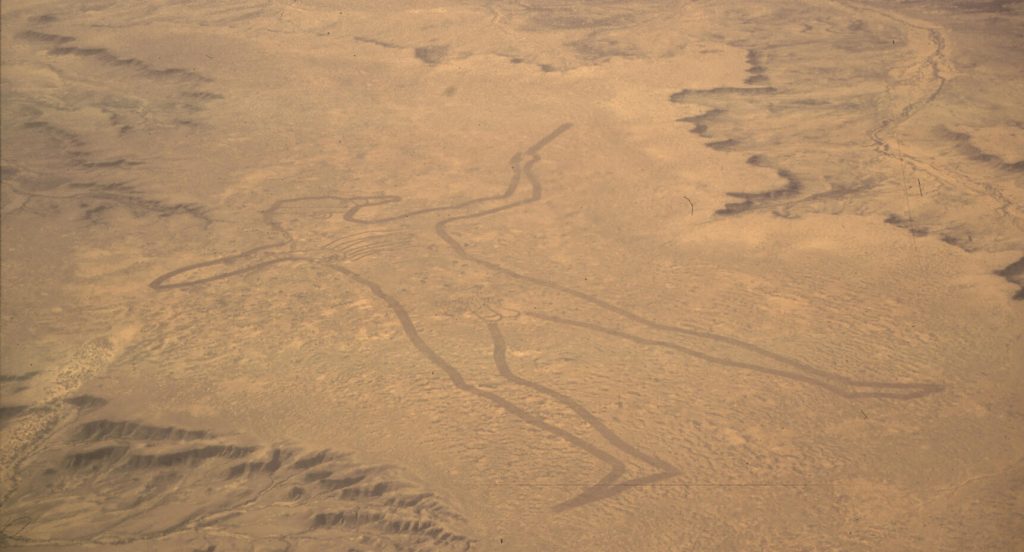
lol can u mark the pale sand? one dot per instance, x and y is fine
(572, 276)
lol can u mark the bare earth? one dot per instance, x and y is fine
(311, 275)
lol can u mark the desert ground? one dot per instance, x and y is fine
(442, 275)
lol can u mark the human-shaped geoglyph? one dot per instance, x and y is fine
(449, 300)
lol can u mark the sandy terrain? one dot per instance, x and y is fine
(612, 276)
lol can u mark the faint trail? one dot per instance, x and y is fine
(535, 195)
(839, 385)
(935, 63)
(938, 68)
(161, 282)
(594, 492)
(354, 245)
(357, 237)
(365, 244)
(617, 468)
(501, 361)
